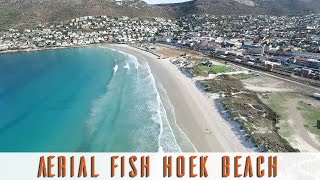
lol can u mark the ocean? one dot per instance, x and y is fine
(92, 99)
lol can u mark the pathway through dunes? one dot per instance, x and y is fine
(303, 136)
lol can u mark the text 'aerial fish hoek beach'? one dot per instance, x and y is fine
(171, 84)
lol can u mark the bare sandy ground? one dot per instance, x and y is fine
(195, 114)
(171, 52)
(271, 83)
(267, 84)
(303, 139)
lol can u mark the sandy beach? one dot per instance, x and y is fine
(195, 114)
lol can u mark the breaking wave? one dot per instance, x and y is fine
(130, 113)
(126, 66)
(115, 69)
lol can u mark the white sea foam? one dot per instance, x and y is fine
(137, 64)
(126, 66)
(166, 138)
(97, 110)
(115, 69)
(185, 137)
(131, 57)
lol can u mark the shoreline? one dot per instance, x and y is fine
(195, 115)
(48, 48)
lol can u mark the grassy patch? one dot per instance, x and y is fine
(243, 76)
(277, 102)
(310, 115)
(225, 83)
(215, 69)
(205, 71)
(245, 106)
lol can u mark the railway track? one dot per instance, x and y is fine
(285, 74)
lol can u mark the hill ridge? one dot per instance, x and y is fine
(15, 13)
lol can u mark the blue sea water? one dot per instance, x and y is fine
(90, 99)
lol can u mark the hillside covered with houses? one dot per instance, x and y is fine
(290, 44)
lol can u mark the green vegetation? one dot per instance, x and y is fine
(243, 76)
(8, 16)
(205, 71)
(245, 106)
(310, 115)
(225, 83)
(277, 102)
(215, 69)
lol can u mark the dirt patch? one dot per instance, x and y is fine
(264, 83)
(171, 52)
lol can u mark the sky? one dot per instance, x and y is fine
(163, 1)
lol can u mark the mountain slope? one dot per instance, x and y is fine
(25, 12)
(21, 13)
(233, 7)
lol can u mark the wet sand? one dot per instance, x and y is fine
(195, 114)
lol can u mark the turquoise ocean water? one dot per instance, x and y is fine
(90, 99)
